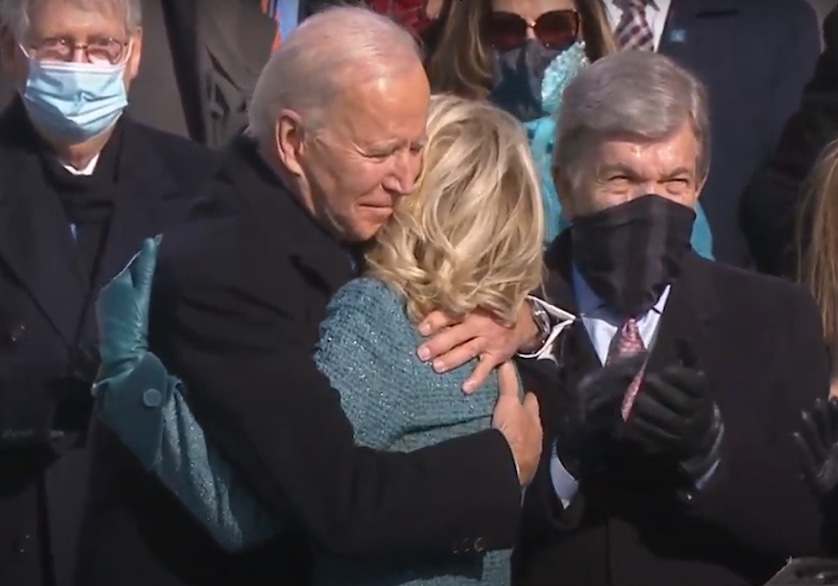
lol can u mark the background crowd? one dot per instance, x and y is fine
(562, 154)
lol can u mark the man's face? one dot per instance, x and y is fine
(622, 170)
(59, 27)
(368, 156)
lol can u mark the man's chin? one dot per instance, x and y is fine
(363, 231)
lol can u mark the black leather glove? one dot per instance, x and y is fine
(817, 446)
(589, 429)
(674, 420)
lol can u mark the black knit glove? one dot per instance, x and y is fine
(591, 425)
(674, 419)
(817, 446)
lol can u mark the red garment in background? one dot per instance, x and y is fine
(408, 13)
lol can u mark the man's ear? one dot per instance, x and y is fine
(290, 140)
(563, 187)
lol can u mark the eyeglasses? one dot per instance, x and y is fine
(557, 29)
(105, 51)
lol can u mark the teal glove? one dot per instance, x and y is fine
(122, 312)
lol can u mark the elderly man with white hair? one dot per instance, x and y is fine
(678, 466)
(81, 186)
(337, 126)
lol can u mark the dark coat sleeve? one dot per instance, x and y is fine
(757, 495)
(253, 385)
(771, 203)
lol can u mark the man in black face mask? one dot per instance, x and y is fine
(669, 403)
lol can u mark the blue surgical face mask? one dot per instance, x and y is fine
(75, 101)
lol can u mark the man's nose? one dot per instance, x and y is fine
(402, 179)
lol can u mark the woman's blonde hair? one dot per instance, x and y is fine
(817, 238)
(471, 235)
(460, 60)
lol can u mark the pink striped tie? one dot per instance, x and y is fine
(633, 30)
(627, 342)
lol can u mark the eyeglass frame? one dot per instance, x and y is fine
(74, 47)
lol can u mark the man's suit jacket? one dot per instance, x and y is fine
(759, 341)
(217, 49)
(48, 331)
(754, 56)
(771, 206)
(235, 314)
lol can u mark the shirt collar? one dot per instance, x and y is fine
(590, 303)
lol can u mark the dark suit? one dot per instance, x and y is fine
(48, 331)
(771, 205)
(215, 50)
(759, 341)
(754, 56)
(235, 313)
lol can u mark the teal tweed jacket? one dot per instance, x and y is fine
(395, 402)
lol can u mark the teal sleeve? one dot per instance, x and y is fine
(146, 409)
(363, 334)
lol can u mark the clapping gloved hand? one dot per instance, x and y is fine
(122, 313)
(590, 427)
(817, 446)
(675, 421)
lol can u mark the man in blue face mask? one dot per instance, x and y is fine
(81, 185)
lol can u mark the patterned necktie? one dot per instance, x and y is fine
(271, 8)
(633, 31)
(627, 342)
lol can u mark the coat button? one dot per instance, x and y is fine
(16, 332)
(21, 544)
(152, 398)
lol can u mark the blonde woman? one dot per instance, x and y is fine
(469, 238)
(817, 246)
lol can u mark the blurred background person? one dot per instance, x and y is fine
(521, 54)
(754, 58)
(817, 245)
(82, 185)
(776, 198)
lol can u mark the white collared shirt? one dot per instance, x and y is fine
(656, 13)
(88, 169)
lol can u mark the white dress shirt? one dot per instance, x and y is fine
(601, 324)
(88, 170)
(656, 13)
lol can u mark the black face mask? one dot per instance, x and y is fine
(629, 253)
(518, 76)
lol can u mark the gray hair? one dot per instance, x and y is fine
(635, 94)
(14, 14)
(329, 52)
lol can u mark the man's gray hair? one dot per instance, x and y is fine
(14, 14)
(331, 51)
(630, 95)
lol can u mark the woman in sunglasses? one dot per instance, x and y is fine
(521, 54)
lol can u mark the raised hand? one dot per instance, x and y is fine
(817, 446)
(593, 422)
(122, 313)
(674, 418)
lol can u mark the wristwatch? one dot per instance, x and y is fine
(542, 321)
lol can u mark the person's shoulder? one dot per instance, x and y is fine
(365, 290)
(202, 252)
(367, 299)
(787, 14)
(756, 290)
(182, 156)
